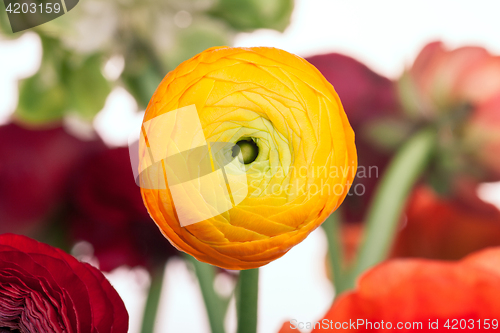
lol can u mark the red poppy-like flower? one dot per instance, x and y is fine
(447, 228)
(421, 292)
(109, 213)
(43, 289)
(425, 291)
(35, 167)
(366, 97)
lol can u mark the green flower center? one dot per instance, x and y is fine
(249, 150)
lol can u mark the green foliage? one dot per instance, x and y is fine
(143, 72)
(145, 33)
(65, 83)
(246, 15)
(41, 99)
(200, 36)
(88, 88)
(142, 82)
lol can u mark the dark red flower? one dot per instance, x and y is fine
(43, 289)
(35, 167)
(422, 291)
(366, 97)
(109, 213)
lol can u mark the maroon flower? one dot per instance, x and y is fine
(109, 213)
(367, 97)
(43, 289)
(35, 167)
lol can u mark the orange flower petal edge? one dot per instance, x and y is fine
(419, 291)
(306, 158)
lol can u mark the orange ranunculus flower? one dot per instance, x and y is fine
(422, 291)
(273, 105)
(460, 89)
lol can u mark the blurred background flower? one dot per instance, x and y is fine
(420, 291)
(37, 165)
(447, 228)
(107, 211)
(369, 100)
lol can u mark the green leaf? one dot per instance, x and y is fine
(143, 71)
(141, 83)
(247, 15)
(88, 88)
(198, 37)
(42, 98)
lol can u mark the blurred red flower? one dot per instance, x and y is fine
(447, 228)
(43, 289)
(35, 168)
(435, 227)
(445, 78)
(366, 97)
(421, 290)
(109, 214)
(460, 89)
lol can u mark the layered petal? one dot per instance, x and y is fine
(43, 289)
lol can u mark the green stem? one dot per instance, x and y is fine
(390, 199)
(153, 300)
(246, 301)
(216, 307)
(332, 231)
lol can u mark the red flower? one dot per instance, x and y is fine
(43, 289)
(423, 291)
(109, 213)
(444, 78)
(366, 97)
(35, 167)
(447, 228)
(459, 89)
